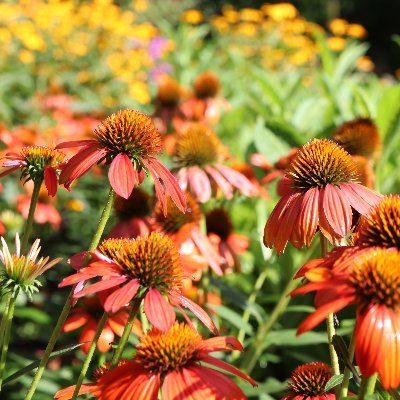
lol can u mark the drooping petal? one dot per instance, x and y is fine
(101, 285)
(228, 367)
(122, 296)
(178, 298)
(105, 340)
(199, 183)
(360, 197)
(50, 180)
(158, 311)
(221, 182)
(221, 343)
(76, 320)
(122, 175)
(160, 191)
(337, 209)
(324, 225)
(80, 163)
(170, 183)
(66, 393)
(8, 171)
(237, 179)
(174, 387)
(76, 143)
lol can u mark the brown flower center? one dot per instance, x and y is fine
(310, 379)
(153, 260)
(130, 132)
(167, 351)
(381, 226)
(206, 85)
(176, 219)
(376, 278)
(320, 162)
(219, 222)
(136, 205)
(169, 93)
(359, 137)
(198, 145)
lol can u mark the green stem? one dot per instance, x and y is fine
(4, 318)
(330, 323)
(367, 386)
(346, 374)
(127, 331)
(31, 214)
(8, 315)
(67, 306)
(246, 314)
(89, 355)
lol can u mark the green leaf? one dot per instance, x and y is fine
(234, 318)
(33, 314)
(388, 115)
(36, 363)
(333, 382)
(287, 337)
(347, 61)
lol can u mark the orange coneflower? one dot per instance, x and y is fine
(228, 243)
(359, 137)
(19, 272)
(128, 141)
(308, 382)
(199, 155)
(148, 266)
(320, 190)
(87, 317)
(37, 163)
(133, 215)
(206, 85)
(170, 362)
(184, 229)
(372, 282)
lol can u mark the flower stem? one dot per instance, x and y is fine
(4, 318)
(67, 306)
(346, 374)
(31, 214)
(330, 323)
(89, 355)
(8, 316)
(127, 331)
(367, 386)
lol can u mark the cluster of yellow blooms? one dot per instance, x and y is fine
(282, 35)
(55, 35)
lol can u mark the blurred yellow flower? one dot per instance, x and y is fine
(26, 56)
(230, 14)
(338, 26)
(140, 92)
(357, 31)
(247, 29)
(365, 64)
(280, 11)
(251, 15)
(140, 5)
(336, 43)
(192, 17)
(75, 205)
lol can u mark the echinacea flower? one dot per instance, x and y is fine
(149, 267)
(184, 230)
(206, 85)
(229, 244)
(129, 142)
(87, 316)
(19, 272)
(359, 137)
(199, 155)
(372, 282)
(133, 215)
(37, 163)
(321, 190)
(308, 382)
(170, 362)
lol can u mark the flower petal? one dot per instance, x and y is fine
(158, 311)
(50, 180)
(122, 296)
(101, 285)
(360, 197)
(199, 184)
(76, 143)
(221, 343)
(122, 175)
(237, 179)
(221, 182)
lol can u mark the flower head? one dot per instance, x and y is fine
(359, 137)
(129, 142)
(320, 190)
(37, 163)
(20, 272)
(206, 85)
(308, 381)
(199, 155)
(147, 267)
(172, 362)
(372, 282)
(169, 93)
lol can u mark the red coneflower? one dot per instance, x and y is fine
(228, 243)
(184, 229)
(37, 163)
(308, 382)
(128, 141)
(148, 266)
(199, 155)
(87, 317)
(372, 282)
(171, 362)
(133, 214)
(320, 191)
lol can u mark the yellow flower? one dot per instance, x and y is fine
(338, 26)
(251, 15)
(192, 17)
(75, 205)
(336, 43)
(26, 56)
(140, 92)
(247, 29)
(231, 15)
(140, 5)
(280, 12)
(357, 31)
(365, 64)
